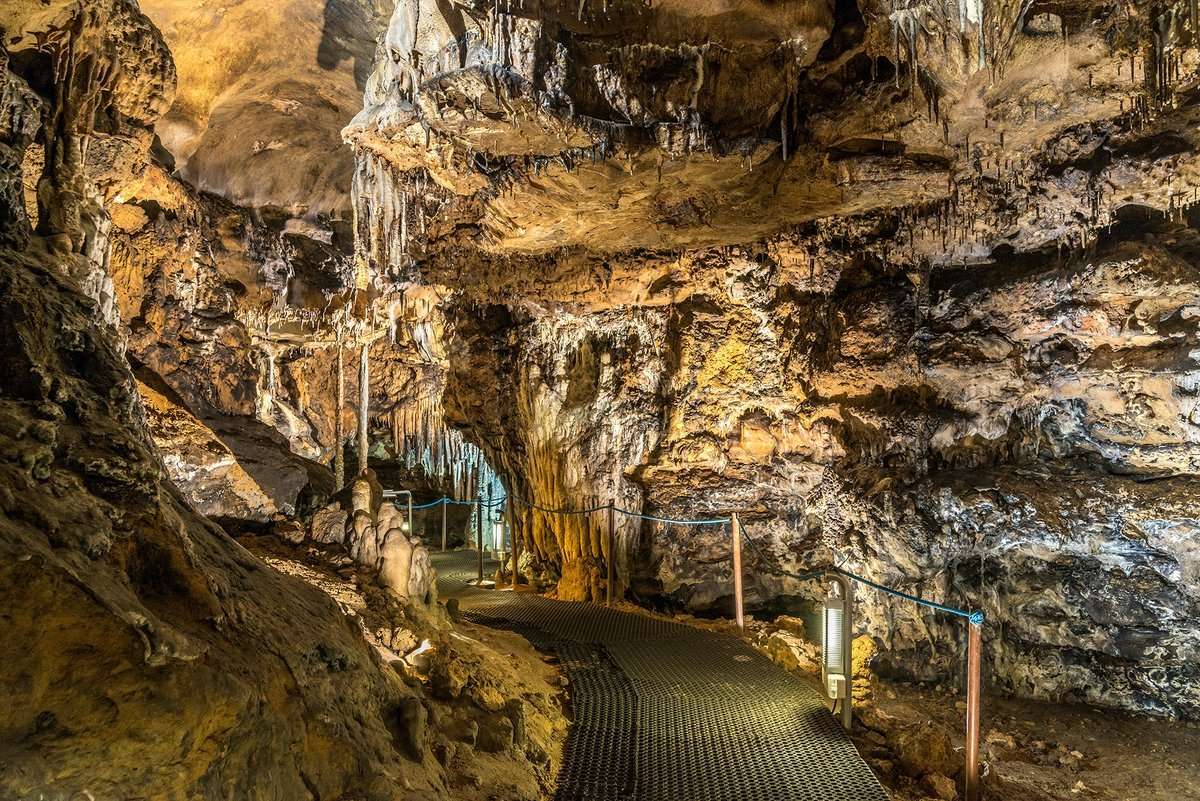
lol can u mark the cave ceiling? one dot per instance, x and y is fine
(265, 87)
(628, 125)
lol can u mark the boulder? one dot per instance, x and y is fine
(411, 723)
(289, 531)
(495, 734)
(793, 653)
(862, 653)
(942, 786)
(328, 525)
(926, 748)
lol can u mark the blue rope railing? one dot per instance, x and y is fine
(713, 521)
(975, 617)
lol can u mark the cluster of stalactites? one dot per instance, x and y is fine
(389, 214)
(422, 440)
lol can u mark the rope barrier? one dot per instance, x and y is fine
(563, 511)
(430, 505)
(674, 521)
(976, 617)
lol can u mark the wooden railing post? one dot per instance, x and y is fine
(738, 608)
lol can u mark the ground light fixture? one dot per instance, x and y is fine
(836, 665)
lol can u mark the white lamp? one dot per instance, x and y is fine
(836, 668)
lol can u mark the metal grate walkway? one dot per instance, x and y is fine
(668, 712)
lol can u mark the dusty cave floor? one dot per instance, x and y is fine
(473, 677)
(1031, 750)
(1042, 751)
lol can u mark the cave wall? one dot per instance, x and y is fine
(921, 301)
(146, 653)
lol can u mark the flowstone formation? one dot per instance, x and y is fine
(910, 286)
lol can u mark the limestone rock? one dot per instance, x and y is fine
(926, 748)
(862, 652)
(495, 734)
(794, 653)
(395, 562)
(942, 787)
(328, 525)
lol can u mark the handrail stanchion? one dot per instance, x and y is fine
(479, 532)
(445, 503)
(612, 552)
(738, 607)
(516, 544)
(974, 691)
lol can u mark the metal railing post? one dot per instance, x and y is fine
(612, 553)
(479, 533)
(974, 691)
(738, 608)
(444, 505)
(516, 545)
(848, 639)
(364, 406)
(339, 445)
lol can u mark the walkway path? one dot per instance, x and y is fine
(668, 712)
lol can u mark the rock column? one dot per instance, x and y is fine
(339, 450)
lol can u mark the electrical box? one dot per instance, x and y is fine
(835, 686)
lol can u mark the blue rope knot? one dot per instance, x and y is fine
(976, 617)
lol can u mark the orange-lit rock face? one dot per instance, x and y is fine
(906, 287)
(264, 90)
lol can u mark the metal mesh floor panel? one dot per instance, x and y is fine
(668, 712)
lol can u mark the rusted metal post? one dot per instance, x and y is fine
(479, 531)
(612, 553)
(364, 406)
(444, 505)
(974, 693)
(738, 608)
(848, 639)
(516, 545)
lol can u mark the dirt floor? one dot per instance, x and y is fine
(495, 704)
(1040, 751)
